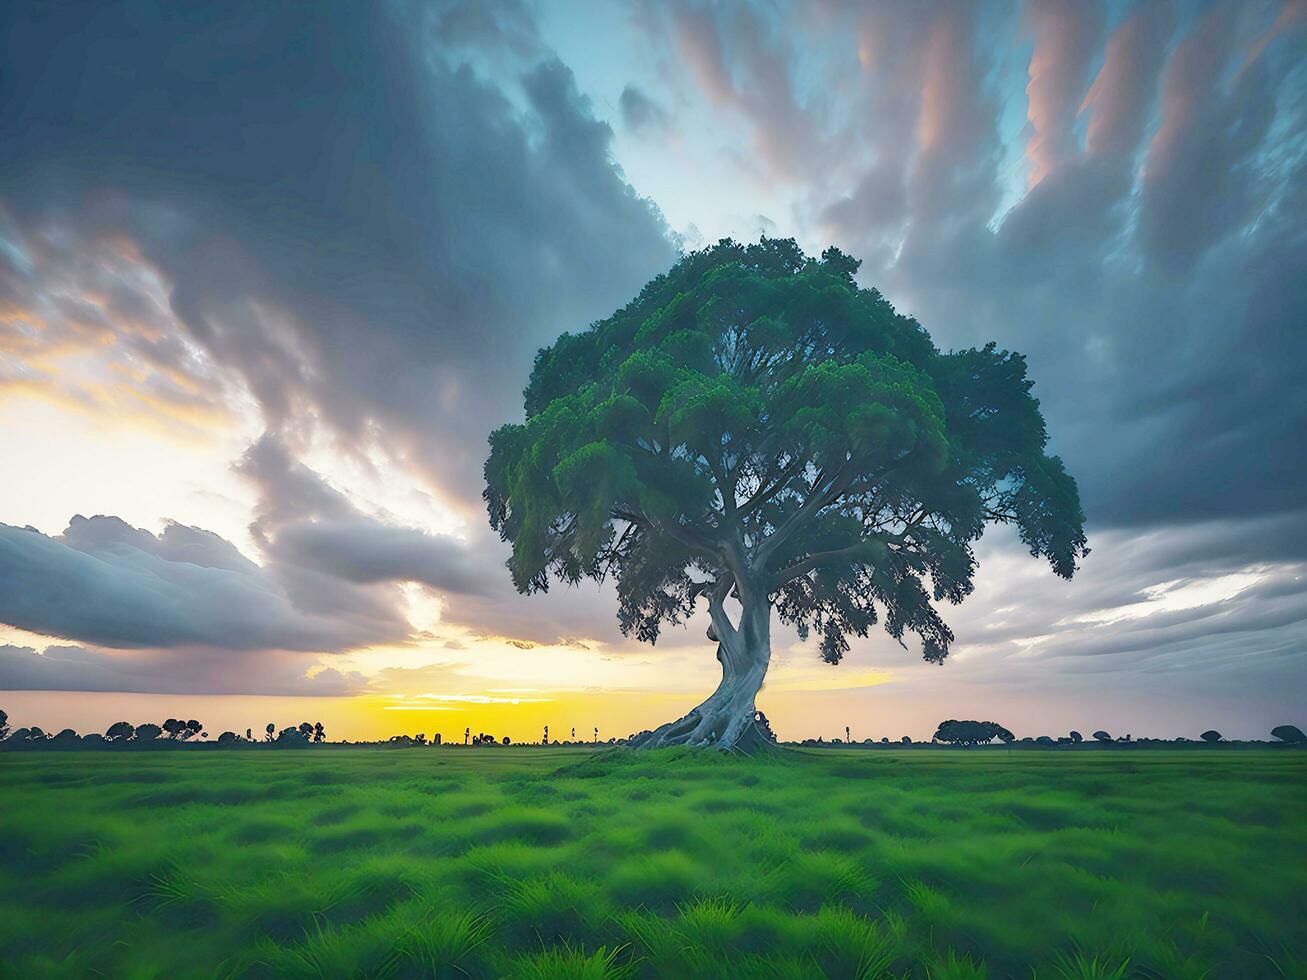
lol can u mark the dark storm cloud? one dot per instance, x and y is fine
(64, 668)
(306, 527)
(328, 584)
(641, 114)
(321, 547)
(109, 584)
(346, 213)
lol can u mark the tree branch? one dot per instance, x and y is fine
(722, 624)
(762, 496)
(815, 502)
(812, 561)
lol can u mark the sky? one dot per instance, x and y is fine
(270, 274)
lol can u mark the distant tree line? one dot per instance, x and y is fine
(176, 732)
(954, 732)
(172, 732)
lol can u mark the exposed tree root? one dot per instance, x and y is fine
(728, 720)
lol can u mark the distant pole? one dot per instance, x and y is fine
(846, 734)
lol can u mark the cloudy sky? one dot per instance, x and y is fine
(269, 274)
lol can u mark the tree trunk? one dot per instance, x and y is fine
(728, 719)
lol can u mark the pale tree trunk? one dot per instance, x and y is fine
(727, 718)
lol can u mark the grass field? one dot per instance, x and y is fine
(339, 862)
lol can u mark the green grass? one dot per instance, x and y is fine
(341, 862)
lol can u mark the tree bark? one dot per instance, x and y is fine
(728, 718)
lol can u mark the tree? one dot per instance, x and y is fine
(66, 737)
(148, 732)
(970, 732)
(268, 732)
(1211, 735)
(1077, 737)
(120, 731)
(4, 724)
(292, 737)
(1288, 733)
(755, 433)
(192, 729)
(1102, 736)
(226, 738)
(174, 727)
(319, 733)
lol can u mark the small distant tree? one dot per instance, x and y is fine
(906, 740)
(956, 732)
(192, 729)
(1288, 733)
(249, 735)
(1211, 735)
(1077, 737)
(292, 737)
(269, 732)
(4, 725)
(148, 732)
(1102, 736)
(319, 733)
(226, 738)
(174, 727)
(66, 737)
(505, 740)
(120, 731)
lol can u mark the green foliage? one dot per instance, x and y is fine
(1079, 965)
(566, 963)
(357, 862)
(445, 942)
(754, 423)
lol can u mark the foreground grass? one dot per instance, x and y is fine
(562, 863)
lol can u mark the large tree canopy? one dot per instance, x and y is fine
(753, 425)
